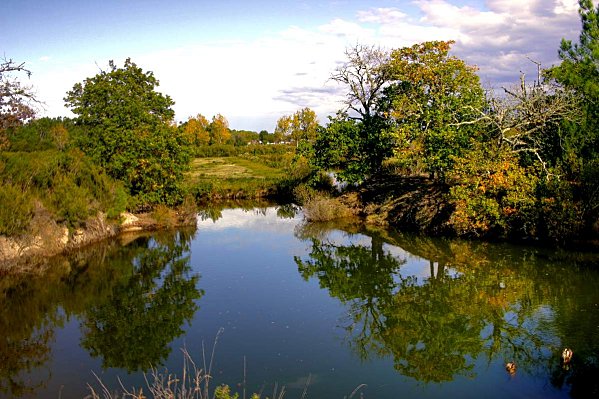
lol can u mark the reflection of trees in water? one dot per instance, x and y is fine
(214, 210)
(32, 306)
(21, 356)
(132, 327)
(477, 299)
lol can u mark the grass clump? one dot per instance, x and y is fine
(323, 209)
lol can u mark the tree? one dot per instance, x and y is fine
(528, 119)
(433, 104)
(303, 125)
(365, 73)
(16, 100)
(578, 72)
(243, 137)
(128, 131)
(283, 129)
(356, 142)
(59, 135)
(337, 147)
(219, 130)
(195, 130)
(266, 137)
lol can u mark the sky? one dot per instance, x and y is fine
(255, 61)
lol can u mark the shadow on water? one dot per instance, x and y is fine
(132, 301)
(477, 302)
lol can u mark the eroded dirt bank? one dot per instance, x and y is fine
(49, 238)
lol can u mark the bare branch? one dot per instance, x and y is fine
(365, 74)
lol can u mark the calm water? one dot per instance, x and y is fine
(337, 305)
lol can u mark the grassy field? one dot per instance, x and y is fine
(232, 177)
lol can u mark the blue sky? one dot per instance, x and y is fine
(254, 61)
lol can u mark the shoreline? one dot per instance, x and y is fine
(56, 239)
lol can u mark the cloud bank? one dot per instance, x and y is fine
(254, 82)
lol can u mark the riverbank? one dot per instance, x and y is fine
(50, 238)
(422, 205)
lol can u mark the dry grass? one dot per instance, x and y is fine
(194, 383)
(325, 209)
(217, 167)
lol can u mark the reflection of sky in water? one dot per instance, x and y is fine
(256, 220)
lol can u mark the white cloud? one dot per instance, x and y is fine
(345, 29)
(254, 82)
(566, 6)
(382, 16)
(502, 38)
(246, 219)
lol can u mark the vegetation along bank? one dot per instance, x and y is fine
(420, 144)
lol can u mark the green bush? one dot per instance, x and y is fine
(16, 210)
(228, 150)
(561, 216)
(66, 183)
(70, 202)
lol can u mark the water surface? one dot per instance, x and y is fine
(337, 305)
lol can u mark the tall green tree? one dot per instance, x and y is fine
(433, 103)
(127, 130)
(579, 71)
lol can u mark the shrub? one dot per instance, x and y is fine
(303, 193)
(70, 202)
(561, 217)
(66, 183)
(16, 210)
(492, 194)
(321, 209)
(164, 216)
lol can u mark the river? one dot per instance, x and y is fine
(335, 307)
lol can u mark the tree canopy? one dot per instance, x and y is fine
(196, 130)
(432, 102)
(128, 131)
(219, 130)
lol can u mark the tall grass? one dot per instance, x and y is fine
(194, 383)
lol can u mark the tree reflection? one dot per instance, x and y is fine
(474, 300)
(20, 356)
(214, 210)
(133, 326)
(33, 306)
